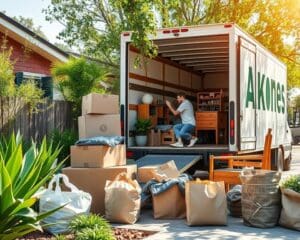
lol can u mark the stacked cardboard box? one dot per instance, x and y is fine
(92, 166)
(100, 116)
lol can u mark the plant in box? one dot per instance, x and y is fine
(290, 213)
(142, 127)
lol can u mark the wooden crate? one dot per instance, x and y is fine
(167, 137)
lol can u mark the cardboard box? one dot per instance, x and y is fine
(99, 125)
(154, 138)
(98, 156)
(93, 180)
(95, 103)
(158, 172)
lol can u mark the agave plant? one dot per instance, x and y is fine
(21, 177)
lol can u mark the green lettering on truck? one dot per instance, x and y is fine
(283, 98)
(250, 89)
(270, 96)
(260, 92)
(268, 100)
(278, 97)
(273, 95)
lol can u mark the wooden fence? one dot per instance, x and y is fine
(17, 116)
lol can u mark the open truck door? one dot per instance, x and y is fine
(247, 73)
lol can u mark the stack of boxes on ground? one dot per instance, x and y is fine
(93, 165)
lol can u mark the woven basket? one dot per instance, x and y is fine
(261, 199)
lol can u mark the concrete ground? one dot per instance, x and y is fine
(177, 229)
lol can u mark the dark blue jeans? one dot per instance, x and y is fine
(184, 131)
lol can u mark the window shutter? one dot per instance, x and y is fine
(19, 78)
(47, 86)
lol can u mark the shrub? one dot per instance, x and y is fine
(7, 77)
(95, 234)
(64, 139)
(88, 221)
(292, 182)
(21, 177)
(30, 93)
(91, 227)
(60, 237)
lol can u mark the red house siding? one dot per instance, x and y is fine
(27, 60)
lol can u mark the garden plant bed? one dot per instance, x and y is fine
(120, 233)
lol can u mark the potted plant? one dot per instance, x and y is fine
(290, 198)
(131, 139)
(142, 127)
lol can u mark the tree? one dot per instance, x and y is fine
(28, 91)
(97, 28)
(28, 23)
(76, 78)
(7, 77)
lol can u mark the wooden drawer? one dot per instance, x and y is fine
(206, 124)
(206, 115)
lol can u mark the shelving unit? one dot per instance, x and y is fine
(147, 111)
(211, 101)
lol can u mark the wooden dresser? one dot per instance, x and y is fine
(212, 120)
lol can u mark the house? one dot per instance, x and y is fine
(33, 56)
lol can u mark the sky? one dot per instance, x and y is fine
(32, 9)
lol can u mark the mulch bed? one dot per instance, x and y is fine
(120, 233)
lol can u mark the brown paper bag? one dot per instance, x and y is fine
(158, 172)
(166, 171)
(169, 204)
(290, 212)
(205, 203)
(122, 200)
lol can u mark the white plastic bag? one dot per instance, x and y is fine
(77, 202)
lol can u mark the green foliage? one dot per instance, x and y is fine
(91, 227)
(76, 78)
(28, 90)
(96, 30)
(60, 237)
(7, 77)
(21, 177)
(30, 93)
(94, 234)
(64, 139)
(292, 182)
(88, 221)
(142, 126)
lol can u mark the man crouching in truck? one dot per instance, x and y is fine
(184, 130)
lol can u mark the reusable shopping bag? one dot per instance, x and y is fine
(76, 202)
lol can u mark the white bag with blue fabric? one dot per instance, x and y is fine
(76, 203)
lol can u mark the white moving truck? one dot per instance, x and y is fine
(209, 58)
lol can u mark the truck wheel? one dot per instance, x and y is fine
(280, 158)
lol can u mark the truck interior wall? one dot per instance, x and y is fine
(216, 81)
(157, 75)
(154, 69)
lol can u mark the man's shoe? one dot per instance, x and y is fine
(192, 142)
(177, 144)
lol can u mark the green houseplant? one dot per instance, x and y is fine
(142, 127)
(290, 198)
